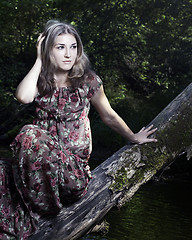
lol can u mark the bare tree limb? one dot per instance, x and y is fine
(117, 179)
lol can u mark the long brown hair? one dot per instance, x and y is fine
(80, 70)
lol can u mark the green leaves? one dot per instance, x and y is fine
(142, 47)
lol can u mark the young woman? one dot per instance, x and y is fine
(50, 167)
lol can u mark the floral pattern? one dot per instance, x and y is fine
(50, 167)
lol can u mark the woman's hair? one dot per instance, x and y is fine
(81, 68)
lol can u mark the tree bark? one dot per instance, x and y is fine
(117, 179)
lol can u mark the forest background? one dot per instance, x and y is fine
(142, 50)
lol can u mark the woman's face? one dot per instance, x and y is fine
(64, 52)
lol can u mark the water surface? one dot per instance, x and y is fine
(160, 211)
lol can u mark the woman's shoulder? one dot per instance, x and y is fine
(92, 80)
(91, 85)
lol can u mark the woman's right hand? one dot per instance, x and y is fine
(27, 89)
(38, 45)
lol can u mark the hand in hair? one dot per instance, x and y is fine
(38, 45)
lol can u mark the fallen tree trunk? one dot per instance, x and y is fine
(117, 179)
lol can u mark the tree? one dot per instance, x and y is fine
(147, 44)
(117, 179)
(139, 48)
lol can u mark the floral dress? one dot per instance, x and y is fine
(50, 167)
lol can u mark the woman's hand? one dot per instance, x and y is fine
(142, 136)
(27, 89)
(38, 45)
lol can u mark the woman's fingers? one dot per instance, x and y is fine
(144, 133)
(40, 39)
(148, 130)
(142, 129)
(38, 45)
(151, 131)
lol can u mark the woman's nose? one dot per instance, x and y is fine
(67, 53)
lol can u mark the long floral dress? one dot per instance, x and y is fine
(50, 167)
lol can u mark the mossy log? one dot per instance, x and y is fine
(117, 179)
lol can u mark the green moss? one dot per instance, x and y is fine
(177, 135)
(174, 138)
(120, 180)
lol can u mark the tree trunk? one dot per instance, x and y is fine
(117, 179)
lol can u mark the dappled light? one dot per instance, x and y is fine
(142, 53)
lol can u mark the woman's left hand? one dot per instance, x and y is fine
(142, 136)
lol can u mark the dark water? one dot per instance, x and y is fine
(156, 212)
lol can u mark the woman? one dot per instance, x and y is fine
(51, 155)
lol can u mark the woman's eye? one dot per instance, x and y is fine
(60, 47)
(74, 46)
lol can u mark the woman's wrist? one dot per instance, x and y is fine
(133, 138)
(38, 61)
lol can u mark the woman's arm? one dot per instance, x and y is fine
(114, 121)
(27, 89)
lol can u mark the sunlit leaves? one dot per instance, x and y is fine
(24, 19)
(146, 43)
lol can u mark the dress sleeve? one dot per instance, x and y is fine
(94, 85)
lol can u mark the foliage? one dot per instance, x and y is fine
(147, 43)
(23, 19)
(141, 49)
